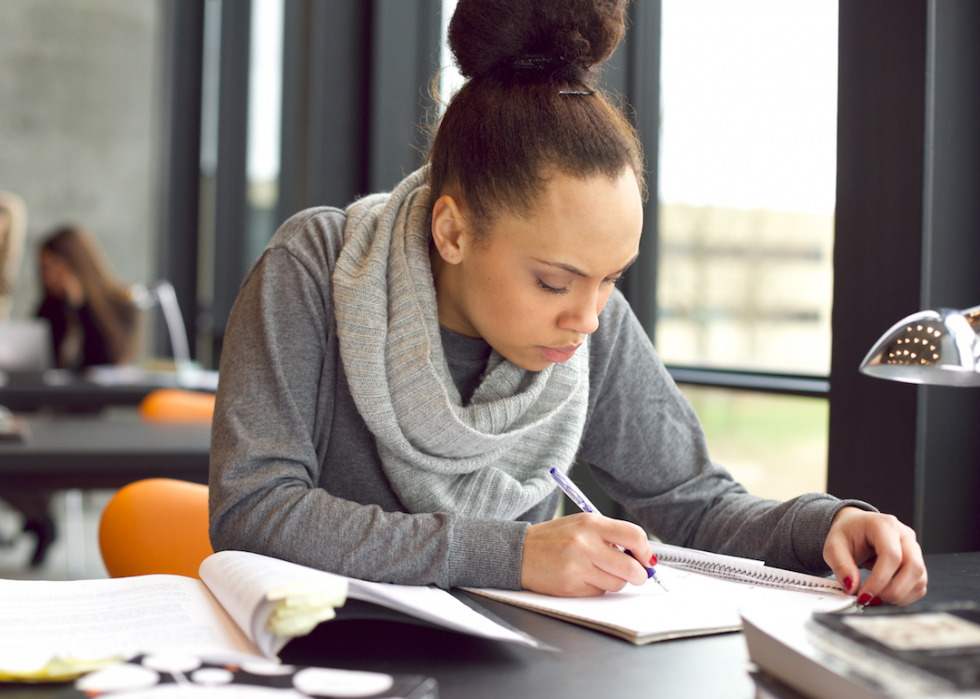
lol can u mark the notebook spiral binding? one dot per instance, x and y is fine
(764, 576)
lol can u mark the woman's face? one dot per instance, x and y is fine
(58, 277)
(54, 270)
(533, 286)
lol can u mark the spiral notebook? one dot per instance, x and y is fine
(706, 594)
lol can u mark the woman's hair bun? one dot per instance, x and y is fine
(487, 36)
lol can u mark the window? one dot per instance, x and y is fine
(747, 184)
(264, 119)
(747, 175)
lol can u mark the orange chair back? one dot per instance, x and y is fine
(158, 525)
(177, 405)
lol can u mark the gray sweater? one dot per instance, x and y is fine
(295, 472)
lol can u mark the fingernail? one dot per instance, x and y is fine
(847, 584)
(876, 601)
(864, 599)
(653, 561)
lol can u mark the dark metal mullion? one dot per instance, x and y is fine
(784, 384)
(339, 87)
(643, 93)
(877, 246)
(180, 155)
(231, 211)
(405, 50)
(948, 440)
(293, 175)
(907, 216)
(327, 67)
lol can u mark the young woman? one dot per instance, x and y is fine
(93, 320)
(399, 377)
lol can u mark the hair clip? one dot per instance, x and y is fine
(537, 62)
(576, 92)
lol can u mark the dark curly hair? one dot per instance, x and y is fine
(530, 105)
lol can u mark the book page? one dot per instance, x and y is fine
(436, 606)
(101, 619)
(695, 604)
(243, 582)
(239, 580)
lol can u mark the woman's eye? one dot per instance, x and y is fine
(618, 279)
(551, 289)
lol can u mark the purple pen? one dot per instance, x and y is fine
(578, 497)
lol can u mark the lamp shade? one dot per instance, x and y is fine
(931, 347)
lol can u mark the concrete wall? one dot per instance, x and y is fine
(79, 99)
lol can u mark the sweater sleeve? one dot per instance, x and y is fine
(646, 448)
(275, 415)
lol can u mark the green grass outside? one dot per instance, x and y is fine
(775, 445)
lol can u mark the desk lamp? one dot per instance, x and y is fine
(162, 293)
(932, 347)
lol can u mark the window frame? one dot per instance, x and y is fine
(905, 232)
(905, 239)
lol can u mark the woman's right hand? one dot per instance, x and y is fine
(574, 556)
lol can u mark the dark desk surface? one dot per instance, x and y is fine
(590, 665)
(29, 391)
(95, 451)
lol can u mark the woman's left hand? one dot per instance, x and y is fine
(885, 546)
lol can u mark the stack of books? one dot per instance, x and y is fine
(926, 651)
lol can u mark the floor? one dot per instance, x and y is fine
(74, 554)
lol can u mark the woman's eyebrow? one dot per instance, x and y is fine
(576, 271)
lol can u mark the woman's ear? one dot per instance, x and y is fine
(448, 226)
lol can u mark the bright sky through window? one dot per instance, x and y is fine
(265, 90)
(749, 104)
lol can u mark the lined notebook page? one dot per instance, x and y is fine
(697, 604)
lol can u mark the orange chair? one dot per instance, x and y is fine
(177, 405)
(157, 525)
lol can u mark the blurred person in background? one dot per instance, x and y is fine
(93, 319)
(13, 223)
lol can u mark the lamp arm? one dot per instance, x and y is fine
(164, 291)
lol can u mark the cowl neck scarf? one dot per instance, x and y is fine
(490, 458)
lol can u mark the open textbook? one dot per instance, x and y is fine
(706, 593)
(248, 606)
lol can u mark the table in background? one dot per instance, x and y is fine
(103, 451)
(59, 390)
(64, 391)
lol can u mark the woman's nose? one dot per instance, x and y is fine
(583, 317)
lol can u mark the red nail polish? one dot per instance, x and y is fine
(864, 599)
(653, 561)
(876, 601)
(847, 584)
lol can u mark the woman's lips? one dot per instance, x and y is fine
(559, 354)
